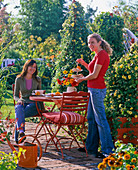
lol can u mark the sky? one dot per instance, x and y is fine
(103, 5)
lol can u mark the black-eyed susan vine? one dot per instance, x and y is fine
(125, 157)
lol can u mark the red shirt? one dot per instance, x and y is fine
(103, 59)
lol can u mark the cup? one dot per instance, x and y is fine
(38, 92)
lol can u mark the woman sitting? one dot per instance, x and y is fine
(25, 83)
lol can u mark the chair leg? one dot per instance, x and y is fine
(78, 134)
(74, 137)
(52, 139)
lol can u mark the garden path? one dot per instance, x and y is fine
(52, 159)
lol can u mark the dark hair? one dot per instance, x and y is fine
(25, 68)
(104, 44)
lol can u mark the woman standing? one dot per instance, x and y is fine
(25, 83)
(98, 126)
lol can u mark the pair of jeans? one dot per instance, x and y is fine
(22, 112)
(98, 127)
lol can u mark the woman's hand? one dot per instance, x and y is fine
(80, 61)
(20, 102)
(79, 80)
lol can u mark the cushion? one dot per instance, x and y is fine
(67, 117)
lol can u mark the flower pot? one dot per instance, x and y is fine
(71, 89)
(124, 133)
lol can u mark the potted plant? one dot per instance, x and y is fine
(66, 80)
(121, 100)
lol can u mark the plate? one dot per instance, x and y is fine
(33, 94)
(77, 76)
(76, 70)
(53, 95)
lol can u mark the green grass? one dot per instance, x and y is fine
(8, 106)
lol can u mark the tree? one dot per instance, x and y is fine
(129, 12)
(41, 17)
(73, 44)
(110, 26)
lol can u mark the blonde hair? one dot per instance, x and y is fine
(104, 44)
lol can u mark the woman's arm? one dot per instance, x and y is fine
(82, 62)
(91, 76)
(16, 90)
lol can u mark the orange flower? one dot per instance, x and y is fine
(134, 160)
(79, 67)
(111, 161)
(126, 157)
(101, 166)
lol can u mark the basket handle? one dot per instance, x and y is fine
(40, 155)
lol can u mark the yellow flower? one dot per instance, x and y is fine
(119, 96)
(111, 161)
(124, 136)
(136, 116)
(80, 38)
(112, 107)
(67, 83)
(115, 75)
(69, 75)
(71, 71)
(136, 68)
(126, 157)
(121, 66)
(129, 76)
(31, 36)
(120, 105)
(77, 12)
(83, 44)
(39, 39)
(65, 72)
(81, 56)
(124, 77)
(51, 51)
(101, 166)
(131, 108)
(134, 160)
(72, 24)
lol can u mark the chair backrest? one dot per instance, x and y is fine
(75, 101)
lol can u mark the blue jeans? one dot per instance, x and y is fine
(22, 112)
(98, 127)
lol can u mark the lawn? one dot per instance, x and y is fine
(8, 106)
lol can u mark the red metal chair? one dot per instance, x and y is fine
(72, 114)
(38, 115)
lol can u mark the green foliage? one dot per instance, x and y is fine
(8, 161)
(73, 44)
(129, 13)
(110, 26)
(121, 98)
(41, 17)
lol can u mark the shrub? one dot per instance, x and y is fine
(110, 26)
(121, 98)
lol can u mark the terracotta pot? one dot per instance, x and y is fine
(132, 127)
